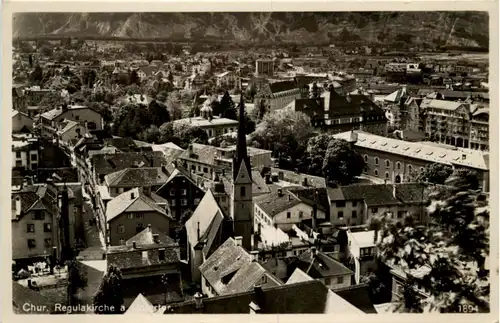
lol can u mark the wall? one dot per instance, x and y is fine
(279, 101)
(73, 134)
(286, 224)
(332, 282)
(347, 210)
(82, 115)
(20, 236)
(157, 221)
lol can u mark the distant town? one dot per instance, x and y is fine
(192, 178)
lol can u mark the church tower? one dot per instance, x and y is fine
(242, 206)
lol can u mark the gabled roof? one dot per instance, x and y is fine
(109, 163)
(277, 87)
(202, 153)
(66, 126)
(312, 196)
(146, 238)
(275, 202)
(202, 218)
(141, 306)
(134, 200)
(136, 177)
(144, 256)
(320, 265)
(359, 296)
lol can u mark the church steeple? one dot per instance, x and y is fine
(241, 155)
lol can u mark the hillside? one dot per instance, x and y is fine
(447, 28)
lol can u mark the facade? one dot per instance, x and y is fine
(264, 67)
(130, 212)
(25, 153)
(480, 129)
(394, 160)
(363, 251)
(35, 94)
(70, 131)
(227, 80)
(213, 125)
(129, 178)
(21, 122)
(85, 116)
(447, 122)
(277, 95)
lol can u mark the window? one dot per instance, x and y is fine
(130, 216)
(139, 227)
(409, 168)
(375, 172)
(398, 165)
(77, 118)
(172, 202)
(31, 243)
(199, 168)
(366, 158)
(421, 169)
(18, 154)
(196, 201)
(193, 168)
(205, 170)
(354, 203)
(184, 202)
(376, 160)
(47, 227)
(387, 163)
(301, 214)
(30, 227)
(365, 169)
(38, 215)
(374, 210)
(328, 281)
(340, 280)
(354, 214)
(340, 204)
(47, 242)
(340, 215)
(172, 192)
(184, 192)
(400, 214)
(139, 216)
(122, 241)
(121, 229)
(242, 191)
(34, 157)
(288, 215)
(19, 163)
(386, 175)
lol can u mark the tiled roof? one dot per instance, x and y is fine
(153, 289)
(322, 265)
(137, 177)
(381, 194)
(136, 199)
(202, 153)
(277, 87)
(359, 296)
(306, 297)
(52, 114)
(66, 126)
(311, 196)
(421, 151)
(298, 178)
(273, 203)
(202, 218)
(202, 122)
(123, 144)
(135, 258)
(109, 163)
(440, 104)
(146, 237)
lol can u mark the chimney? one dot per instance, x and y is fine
(259, 297)
(190, 149)
(304, 182)
(239, 241)
(255, 255)
(132, 195)
(134, 245)
(18, 206)
(198, 231)
(144, 255)
(280, 192)
(161, 254)
(198, 298)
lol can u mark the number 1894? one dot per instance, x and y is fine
(467, 308)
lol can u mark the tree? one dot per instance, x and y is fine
(316, 151)
(180, 230)
(133, 78)
(190, 134)
(227, 107)
(449, 253)
(464, 178)
(433, 173)
(45, 51)
(109, 297)
(285, 132)
(342, 163)
(76, 280)
(158, 113)
(166, 132)
(151, 134)
(37, 74)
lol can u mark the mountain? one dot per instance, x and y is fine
(448, 28)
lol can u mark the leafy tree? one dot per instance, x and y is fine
(133, 78)
(449, 253)
(180, 229)
(76, 280)
(189, 134)
(151, 134)
(74, 84)
(89, 78)
(109, 297)
(285, 132)
(464, 178)
(433, 173)
(46, 51)
(158, 113)
(175, 110)
(316, 151)
(37, 74)
(52, 99)
(166, 132)
(227, 107)
(342, 163)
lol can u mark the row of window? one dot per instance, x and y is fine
(184, 202)
(47, 243)
(354, 215)
(34, 157)
(30, 227)
(173, 192)
(205, 169)
(341, 204)
(138, 228)
(340, 280)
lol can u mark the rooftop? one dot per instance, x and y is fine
(203, 123)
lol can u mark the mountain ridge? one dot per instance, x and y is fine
(448, 28)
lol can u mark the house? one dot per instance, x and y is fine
(128, 178)
(70, 131)
(206, 230)
(182, 193)
(231, 269)
(214, 125)
(144, 260)
(363, 252)
(21, 122)
(282, 209)
(319, 266)
(447, 122)
(394, 159)
(356, 204)
(25, 152)
(130, 212)
(264, 67)
(338, 113)
(277, 95)
(43, 221)
(304, 297)
(35, 94)
(87, 117)
(227, 80)
(480, 130)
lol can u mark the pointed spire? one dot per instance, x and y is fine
(241, 145)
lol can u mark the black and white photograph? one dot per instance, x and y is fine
(284, 162)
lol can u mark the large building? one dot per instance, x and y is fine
(394, 160)
(277, 95)
(264, 67)
(85, 116)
